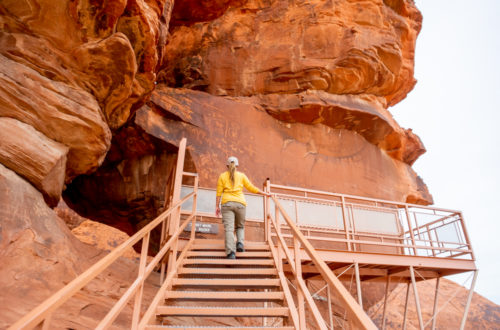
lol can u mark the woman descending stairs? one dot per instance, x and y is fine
(210, 290)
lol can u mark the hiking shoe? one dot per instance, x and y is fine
(239, 247)
(231, 255)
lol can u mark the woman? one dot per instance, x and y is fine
(230, 187)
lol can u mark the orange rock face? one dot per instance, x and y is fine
(95, 96)
(315, 156)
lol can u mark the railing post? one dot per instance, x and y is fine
(195, 204)
(142, 270)
(267, 227)
(410, 229)
(466, 234)
(346, 228)
(176, 196)
(298, 272)
(278, 232)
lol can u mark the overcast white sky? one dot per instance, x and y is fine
(455, 109)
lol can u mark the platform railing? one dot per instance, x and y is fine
(280, 250)
(171, 228)
(357, 224)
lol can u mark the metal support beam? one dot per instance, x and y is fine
(434, 310)
(406, 305)
(385, 300)
(417, 300)
(358, 285)
(469, 299)
(330, 312)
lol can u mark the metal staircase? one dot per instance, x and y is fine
(198, 285)
(207, 283)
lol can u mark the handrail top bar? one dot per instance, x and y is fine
(189, 174)
(321, 192)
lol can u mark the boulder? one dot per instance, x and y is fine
(64, 114)
(244, 48)
(39, 255)
(34, 156)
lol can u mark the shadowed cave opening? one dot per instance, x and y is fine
(128, 190)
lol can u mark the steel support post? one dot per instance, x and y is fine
(469, 299)
(385, 300)
(330, 312)
(435, 309)
(358, 285)
(406, 305)
(417, 300)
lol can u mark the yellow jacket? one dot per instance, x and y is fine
(234, 193)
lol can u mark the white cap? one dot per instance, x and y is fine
(232, 159)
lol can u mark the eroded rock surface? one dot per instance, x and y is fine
(315, 156)
(298, 90)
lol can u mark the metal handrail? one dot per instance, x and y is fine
(43, 312)
(413, 232)
(356, 313)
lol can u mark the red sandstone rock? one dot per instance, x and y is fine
(483, 313)
(39, 255)
(32, 155)
(260, 47)
(363, 115)
(103, 237)
(64, 114)
(109, 53)
(314, 156)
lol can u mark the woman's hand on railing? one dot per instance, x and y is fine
(264, 193)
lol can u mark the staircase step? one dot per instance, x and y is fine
(222, 311)
(192, 327)
(229, 271)
(228, 261)
(248, 254)
(224, 295)
(264, 282)
(220, 247)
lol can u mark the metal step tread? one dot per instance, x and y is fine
(222, 311)
(228, 261)
(234, 295)
(193, 327)
(220, 247)
(229, 271)
(247, 254)
(226, 281)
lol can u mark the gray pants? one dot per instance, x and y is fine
(233, 215)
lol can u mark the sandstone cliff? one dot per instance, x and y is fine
(95, 95)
